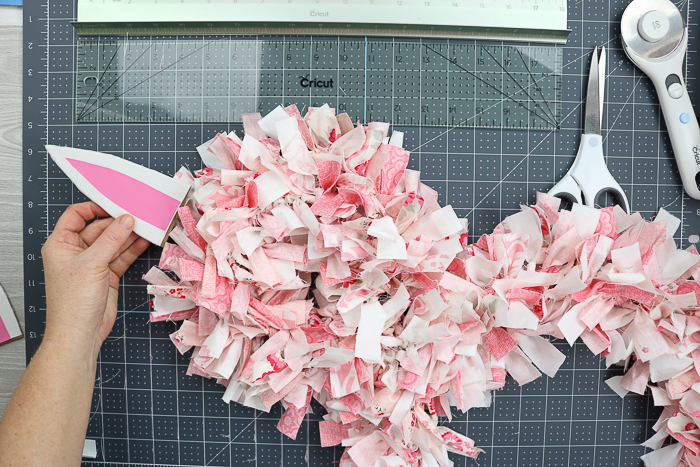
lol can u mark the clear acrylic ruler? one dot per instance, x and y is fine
(455, 83)
(527, 20)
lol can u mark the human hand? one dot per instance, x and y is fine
(82, 267)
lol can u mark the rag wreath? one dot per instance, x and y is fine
(309, 262)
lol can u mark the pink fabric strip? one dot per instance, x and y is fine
(134, 196)
(4, 335)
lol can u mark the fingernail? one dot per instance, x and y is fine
(126, 221)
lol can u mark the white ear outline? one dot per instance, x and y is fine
(8, 318)
(154, 179)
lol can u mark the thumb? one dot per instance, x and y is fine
(111, 240)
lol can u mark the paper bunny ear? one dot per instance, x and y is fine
(119, 187)
(9, 327)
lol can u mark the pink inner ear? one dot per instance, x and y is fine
(134, 196)
(4, 335)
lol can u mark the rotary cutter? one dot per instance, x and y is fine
(655, 38)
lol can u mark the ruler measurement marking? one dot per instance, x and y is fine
(487, 83)
(152, 76)
(97, 86)
(517, 83)
(537, 88)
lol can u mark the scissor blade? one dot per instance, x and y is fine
(592, 123)
(602, 63)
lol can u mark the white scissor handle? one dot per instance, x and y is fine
(589, 176)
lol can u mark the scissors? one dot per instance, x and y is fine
(589, 177)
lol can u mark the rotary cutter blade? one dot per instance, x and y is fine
(655, 38)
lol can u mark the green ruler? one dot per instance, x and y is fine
(526, 20)
(456, 83)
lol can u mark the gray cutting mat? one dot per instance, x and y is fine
(147, 411)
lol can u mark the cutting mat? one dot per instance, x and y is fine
(147, 411)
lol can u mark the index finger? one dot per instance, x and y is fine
(77, 215)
